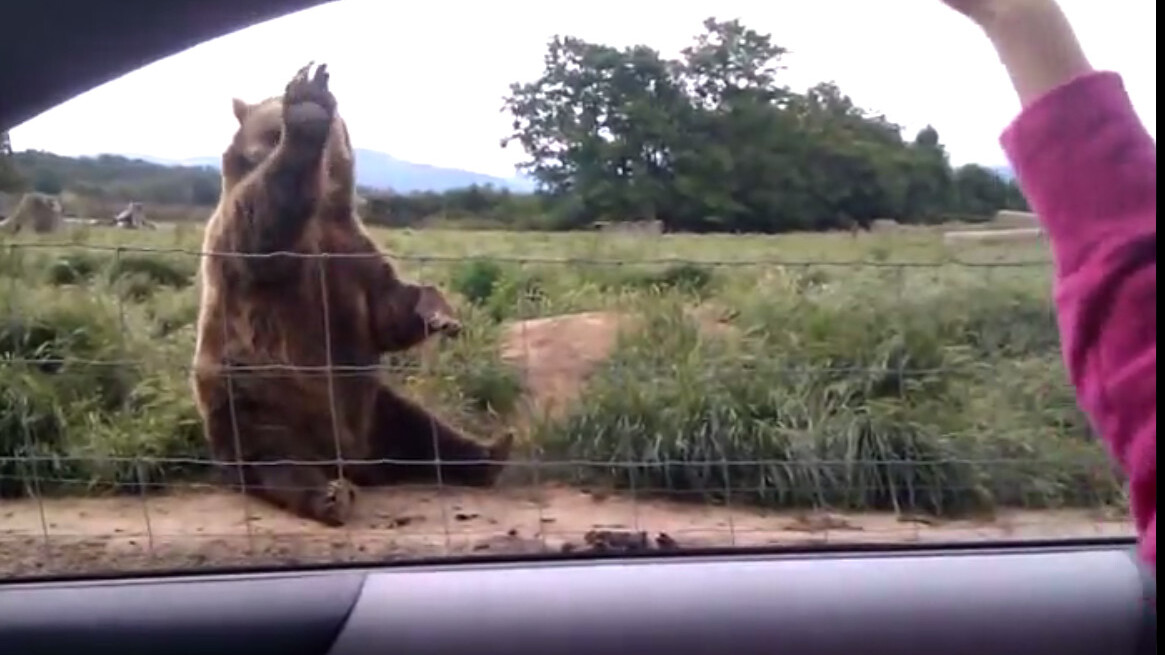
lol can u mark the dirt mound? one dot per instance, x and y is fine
(558, 354)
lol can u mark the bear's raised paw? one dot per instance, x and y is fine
(308, 107)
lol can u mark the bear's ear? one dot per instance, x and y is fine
(241, 109)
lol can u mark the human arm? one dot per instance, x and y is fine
(1089, 171)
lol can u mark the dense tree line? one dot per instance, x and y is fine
(117, 178)
(714, 141)
(710, 141)
(474, 206)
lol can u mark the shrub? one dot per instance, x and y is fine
(845, 402)
(477, 279)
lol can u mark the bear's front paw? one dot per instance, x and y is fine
(308, 107)
(444, 325)
(435, 310)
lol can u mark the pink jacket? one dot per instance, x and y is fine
(1089, 170)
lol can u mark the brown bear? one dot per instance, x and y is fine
(297, 307)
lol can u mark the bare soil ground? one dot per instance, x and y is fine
(208, 529)
(557, 355)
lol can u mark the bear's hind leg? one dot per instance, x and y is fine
(308, 490)
(305, 490)
(406, 431)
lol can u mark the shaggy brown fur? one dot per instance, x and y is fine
(274, 329)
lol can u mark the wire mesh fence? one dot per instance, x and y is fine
(671, 392)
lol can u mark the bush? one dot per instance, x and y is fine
(134, 276)
(477, 279)
(840, 401)
(505, 292)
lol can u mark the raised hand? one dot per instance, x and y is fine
(970, 8)
(1033, 39)
(987, 12)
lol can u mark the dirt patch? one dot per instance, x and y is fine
(201, 529)
(558, 354)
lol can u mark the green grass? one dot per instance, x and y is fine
(855, 373)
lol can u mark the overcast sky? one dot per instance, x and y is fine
(424, 81)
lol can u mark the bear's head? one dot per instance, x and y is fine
(258, 135)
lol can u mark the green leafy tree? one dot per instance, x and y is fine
(598, 126)
(119, 179)
(713, 140)
(48, 181)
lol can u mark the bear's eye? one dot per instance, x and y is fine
(271, 137)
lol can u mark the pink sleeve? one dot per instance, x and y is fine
(1089, 170)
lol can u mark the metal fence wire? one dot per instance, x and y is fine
(883, 393)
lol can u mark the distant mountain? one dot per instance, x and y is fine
(1004, 172)
(379, 170)
(382, 171)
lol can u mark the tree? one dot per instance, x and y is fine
(10, 178)
(597, 125)
(930, 185)
(47, 181)
(119, 179)
(714, 141)
(979, 190)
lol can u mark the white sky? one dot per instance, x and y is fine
(424, 81)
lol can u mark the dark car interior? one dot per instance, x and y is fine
(1072, 597)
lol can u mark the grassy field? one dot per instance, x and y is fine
(883, 371)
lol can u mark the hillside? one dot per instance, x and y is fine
(378, 170)
(116, 178)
